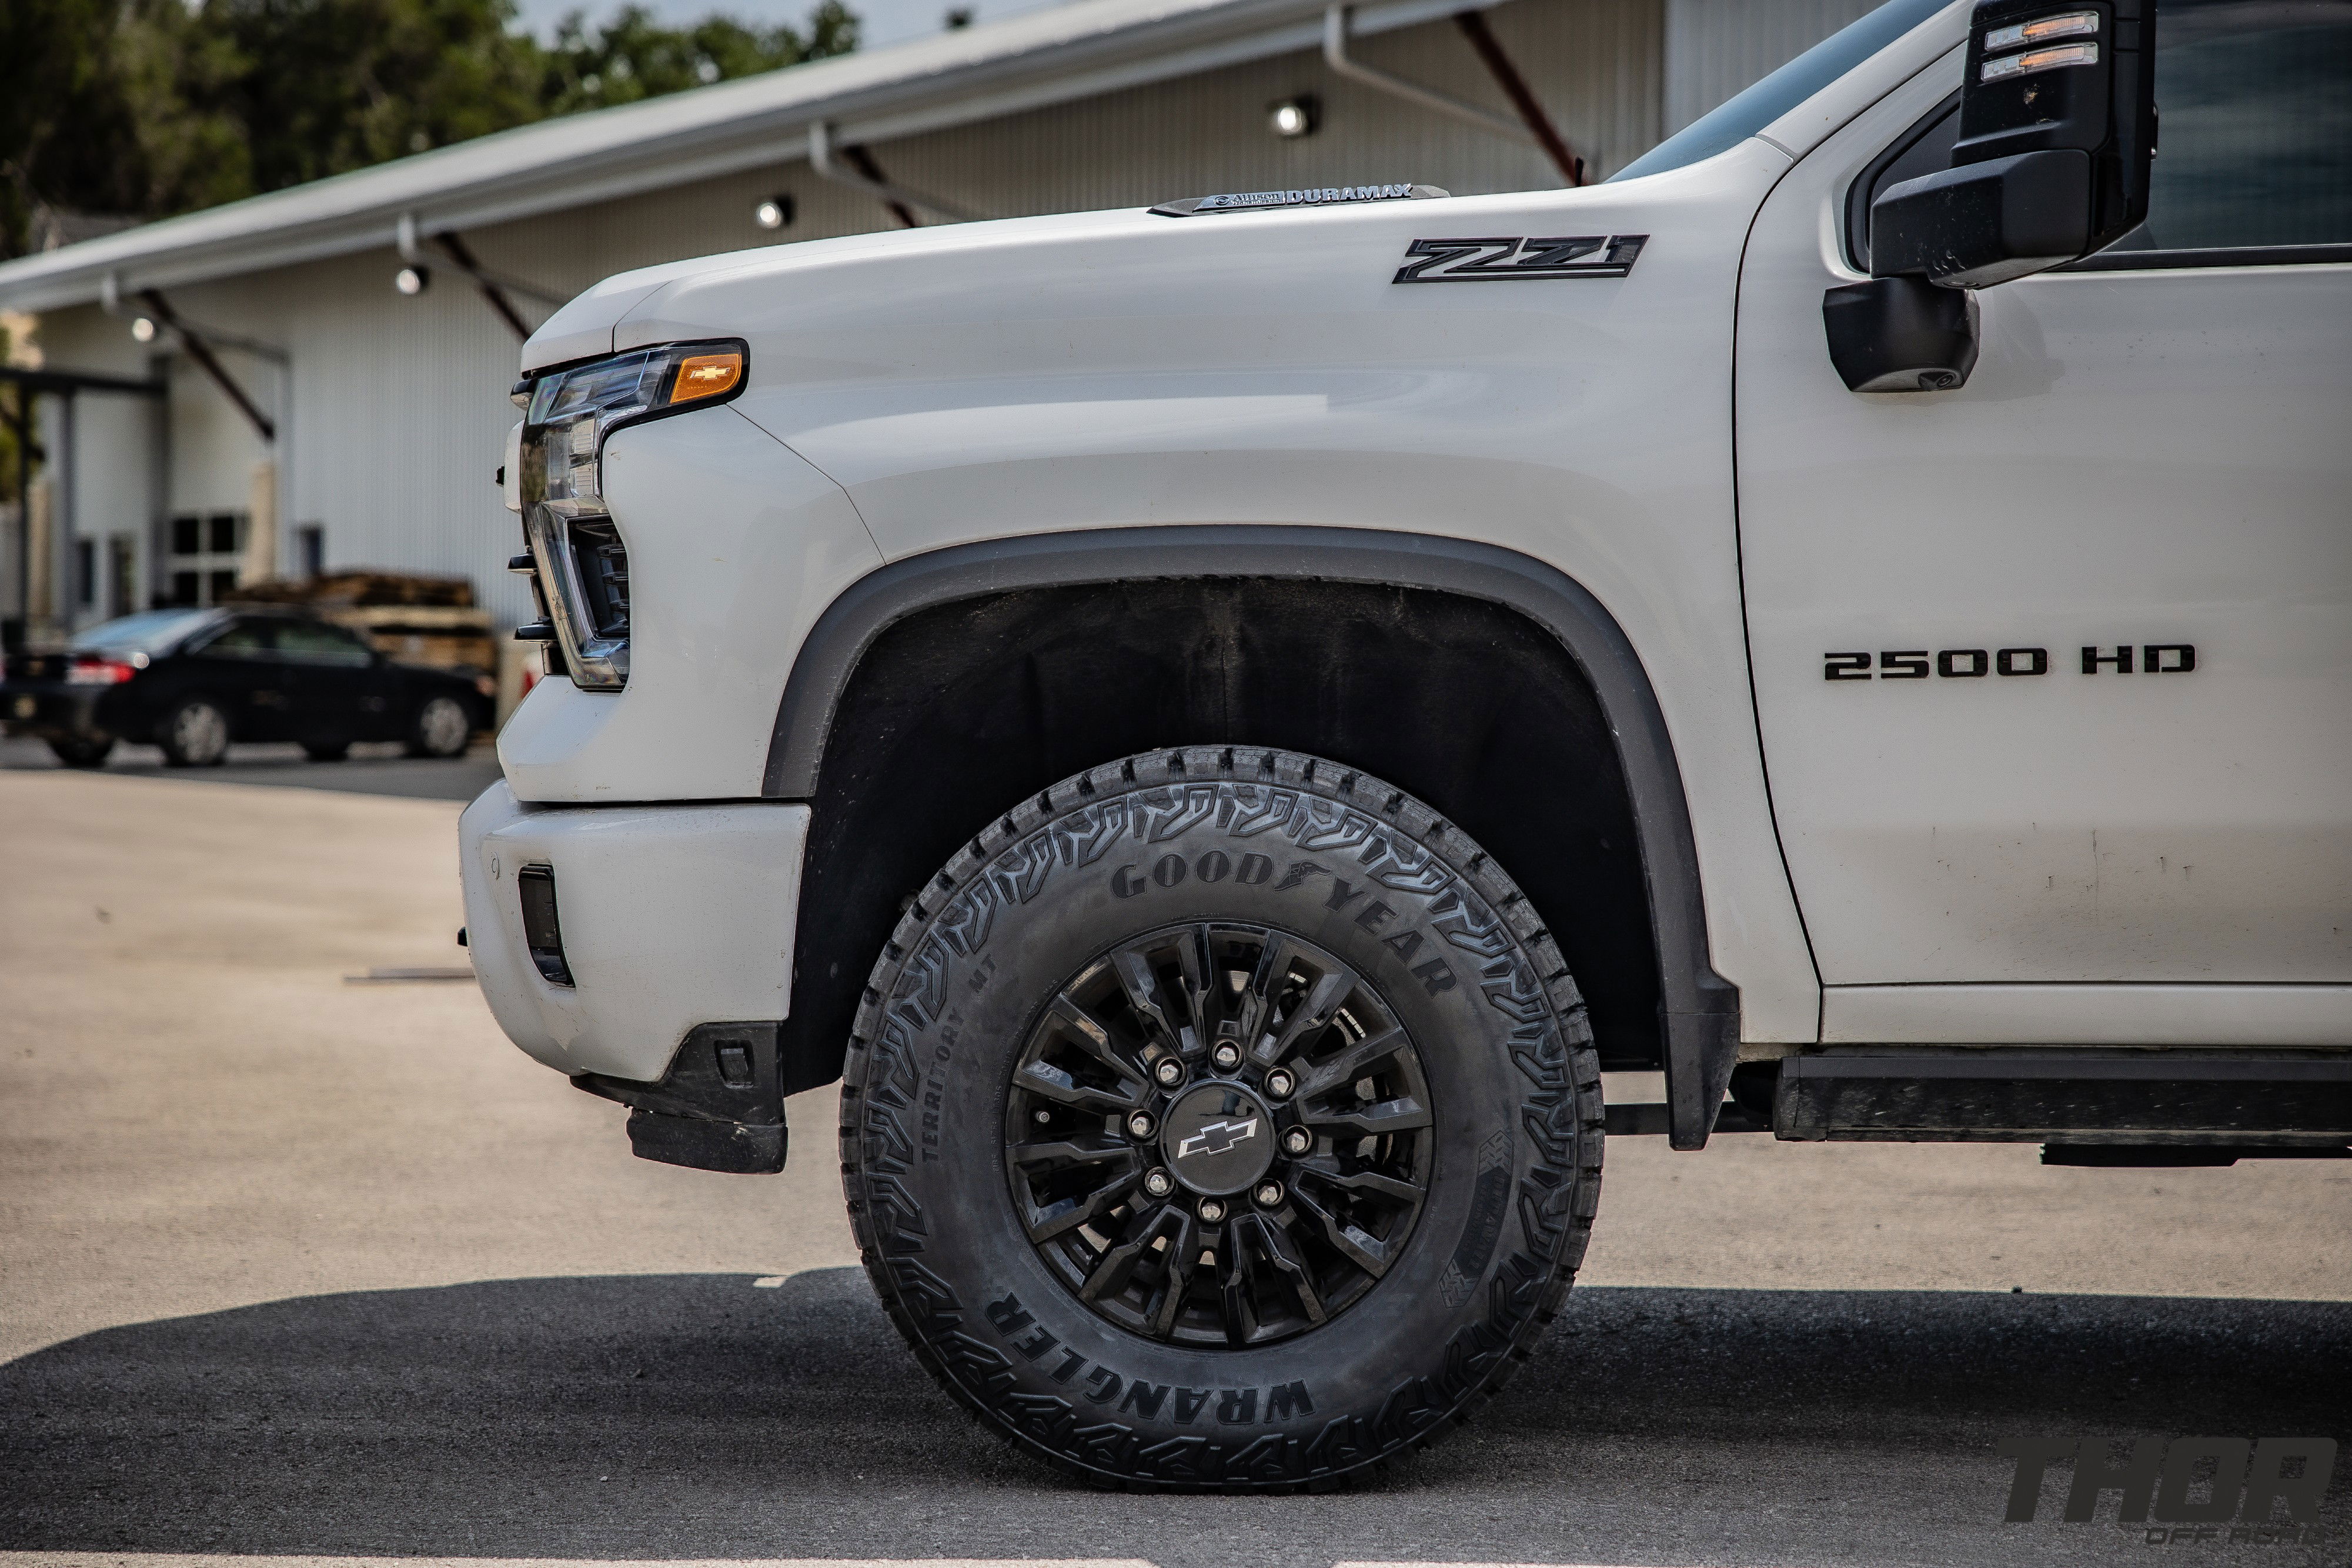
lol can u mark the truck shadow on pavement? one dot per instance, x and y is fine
(696, 1417)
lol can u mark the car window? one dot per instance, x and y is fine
(240, 640)
(2254, 133)
(149, 632)
(1757, 107)
(312, 643)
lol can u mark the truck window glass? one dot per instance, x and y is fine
(2255, 145)
(1759, 106)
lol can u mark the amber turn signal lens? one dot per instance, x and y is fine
(706, 375)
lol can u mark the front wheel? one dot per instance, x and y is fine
(442, 728)
(1221, 1119)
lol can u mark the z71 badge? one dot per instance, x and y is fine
(1492, 260)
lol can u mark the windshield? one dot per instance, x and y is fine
(1785, 89)
(149, 632)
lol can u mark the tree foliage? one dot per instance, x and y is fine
(144, 108)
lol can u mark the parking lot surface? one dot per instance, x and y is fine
(297, 1267)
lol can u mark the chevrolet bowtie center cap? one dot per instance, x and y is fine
(1218, 1139)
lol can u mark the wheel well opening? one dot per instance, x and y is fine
(959, 711)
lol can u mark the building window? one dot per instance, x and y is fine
(202, 564)
(85, 572)
(310, 550)
(122, 574)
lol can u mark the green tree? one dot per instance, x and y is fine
(148, 108)
(633, 57)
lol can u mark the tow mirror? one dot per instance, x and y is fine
(2057, 130)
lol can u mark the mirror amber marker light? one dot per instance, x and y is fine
(706, 375)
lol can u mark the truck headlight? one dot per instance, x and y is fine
(580, 566)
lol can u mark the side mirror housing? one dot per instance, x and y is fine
(2057, 131)
(1901, 335)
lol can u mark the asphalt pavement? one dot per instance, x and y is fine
(372, 769)
(293, 1267)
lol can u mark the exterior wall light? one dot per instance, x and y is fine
(411, 280)
(142, 331)
(1294, 117)
(775, 212)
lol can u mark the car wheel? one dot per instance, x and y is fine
(79, 752)
(326, 750)
(194, 735)
(442, 728)
(1221, 1119)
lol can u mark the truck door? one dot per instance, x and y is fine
(2053, 671)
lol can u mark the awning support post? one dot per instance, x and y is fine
(821, 155)
(494, 286)
(207, 362)
(1533, 127)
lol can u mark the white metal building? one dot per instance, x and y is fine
(376, 417)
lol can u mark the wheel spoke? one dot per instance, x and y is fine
(1061, 1218)
(1352, 1064)
(1323, 999)
(1403, 1115)
(1258, 999)
(1328, 1171)
(1268, 1236)
(1141, 984)
(1060, 1153)
(1079, 1027)
(1367, 1251)
(1183, 1257)
(1197, 974)
(1042, 1077)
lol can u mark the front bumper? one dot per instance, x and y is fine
(671, 916)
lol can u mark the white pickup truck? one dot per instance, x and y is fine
(1218, 723)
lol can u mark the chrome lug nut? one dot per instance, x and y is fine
(1279, 1083)
(1268, 1194)
(1297, 1141)
(1139, 1124)
(1044, 1117)
(1159, 1184)
(1227, 1057)
(1169, 1073)
(1211, 1211)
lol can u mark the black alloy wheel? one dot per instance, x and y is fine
(1221, 1119)
(1224, 1093)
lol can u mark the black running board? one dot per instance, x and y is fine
(2245, 1100)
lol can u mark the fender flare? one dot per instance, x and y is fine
(1701, 1008)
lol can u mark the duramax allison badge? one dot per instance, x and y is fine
(1319, 196)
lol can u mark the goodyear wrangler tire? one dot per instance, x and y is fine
(1221, 1119)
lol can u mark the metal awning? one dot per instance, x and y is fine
(957, 77)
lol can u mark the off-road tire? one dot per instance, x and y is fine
(1343, 862)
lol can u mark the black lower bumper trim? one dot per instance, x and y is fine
(718, 1108)
(689, 1141)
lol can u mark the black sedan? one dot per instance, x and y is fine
(190, 681)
